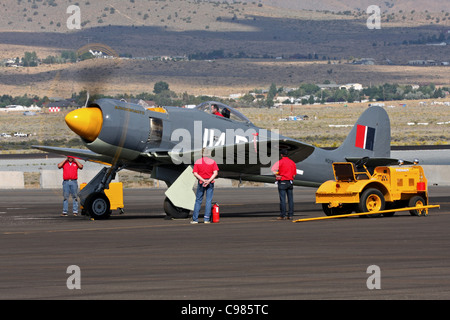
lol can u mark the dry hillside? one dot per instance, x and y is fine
(360, 5)
(257, 31)
(221, 77)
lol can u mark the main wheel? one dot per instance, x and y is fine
(97, 206)
(173, 211)
(372, 200)
(417, 201)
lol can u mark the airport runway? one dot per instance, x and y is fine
(249, 255)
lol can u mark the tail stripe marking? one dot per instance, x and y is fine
(365, 137)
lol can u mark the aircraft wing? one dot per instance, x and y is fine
(78, 153)
(297, 150)
(248, 157)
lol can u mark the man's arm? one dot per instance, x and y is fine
(199, 177)
(80, 166)
(214, 175)
(61, 164)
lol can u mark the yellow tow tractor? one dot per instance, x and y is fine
(384, 191)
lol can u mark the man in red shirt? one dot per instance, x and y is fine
(215, 110)
(205, 170)
(285, 171)
(70, 168)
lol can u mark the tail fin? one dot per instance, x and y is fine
(370, 137)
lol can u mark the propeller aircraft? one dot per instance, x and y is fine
(165, 142)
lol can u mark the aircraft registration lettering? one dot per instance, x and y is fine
(230, 147)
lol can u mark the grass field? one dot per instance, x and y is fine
(426, 117)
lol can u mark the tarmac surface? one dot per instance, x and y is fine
(248, 255)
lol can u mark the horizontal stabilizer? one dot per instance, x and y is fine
(377, 162)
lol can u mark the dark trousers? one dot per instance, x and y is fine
(285, 187)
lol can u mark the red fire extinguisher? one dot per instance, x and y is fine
(215, 213)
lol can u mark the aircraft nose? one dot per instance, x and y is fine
(85, 122)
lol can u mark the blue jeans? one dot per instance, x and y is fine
(285, 187)
(209, 189)
(70, 188)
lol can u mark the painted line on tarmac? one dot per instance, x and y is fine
(27, 218)
(122, 228)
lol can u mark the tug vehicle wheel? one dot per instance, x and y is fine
(344, 209)
(417, 201)
(372, 200)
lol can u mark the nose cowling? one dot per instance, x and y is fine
(85, 122)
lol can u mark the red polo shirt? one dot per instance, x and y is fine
(70, 171)
(205, 167)
(286, 168)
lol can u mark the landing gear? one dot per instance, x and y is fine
(97, 206)
(173, 211)
(92, 197)
(180, 199)
(96, 203)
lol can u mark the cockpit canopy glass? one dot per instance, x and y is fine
(232, 113)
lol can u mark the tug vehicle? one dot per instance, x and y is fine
(386, 188)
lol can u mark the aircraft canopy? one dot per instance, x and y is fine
(233, 114)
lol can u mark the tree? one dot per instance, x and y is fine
(160, 87)
(86, 56)
(271, 95)
(69, 55)
(30, 59)
(165, 98)
(247, 98)
(308, 88)
(273, 90)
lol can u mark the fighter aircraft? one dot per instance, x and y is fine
(166, 141)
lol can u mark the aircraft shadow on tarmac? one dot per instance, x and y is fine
(304, 210)
(244, 211)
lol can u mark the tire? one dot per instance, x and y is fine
(371, 200)
(345, 209)
(173, 211)
(97, 206)
(327, 210)
(414, 202)
(389, 206)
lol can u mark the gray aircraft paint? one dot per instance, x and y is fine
(142, 139)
